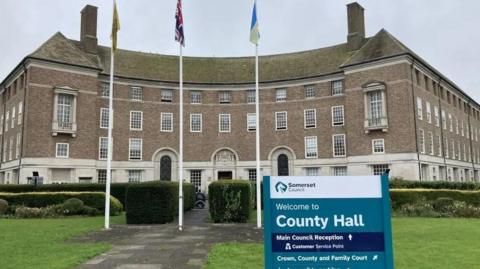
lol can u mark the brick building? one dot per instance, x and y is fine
(356, 108)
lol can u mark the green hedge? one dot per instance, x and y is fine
(449, 185)
(230, 200)
(43, 199)
(401, 197)
(156, 202)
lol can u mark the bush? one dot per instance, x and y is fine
(399, 183)
(3, 207)
(230, 201)
(399, 197)
(156, 202)
(28, 212)
(39, 199)
(73, 206)
(443, 204)
(418, 209)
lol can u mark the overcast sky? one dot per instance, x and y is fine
(444, 32)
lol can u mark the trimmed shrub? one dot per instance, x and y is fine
(443, 204)
(230, 201)
(28, 212)
(3, 207)
(399, 183)
(73, 206)
(400, 197)
(156, 202)
(44, 199)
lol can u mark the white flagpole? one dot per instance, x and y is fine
(109, 147)
(180, 163)
(257, 138)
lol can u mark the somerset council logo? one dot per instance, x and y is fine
(281, 187)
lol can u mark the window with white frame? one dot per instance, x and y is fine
(458, 153)
(339, 171)
(5, 144)
(379, 169)
(251, 122)
(252, 175)
(462, 129)
(1, 124)
(167, 95)
(281, 95)
(224, 97)
(429, 112)
(136, 120)
(105, 90)
(251, 96)
(166, 122)
(17, 147)
(136, 93)
(378, 146)
(437, 117)
(450, 121)
(224, 123)
(62, 150)
(452, 142)
(196, 178)
(281, 120)
(103, 148)
(339, 149)
(195, 123)
(464, 152)
(337, 87)
(195, 97)
(432, 149)
(310, 118)
(13, 117)
(102, 176)
(375, 102)
(311, 147)
(7, 120)
(337, 116)
(20, 113)
(310, 91)
(457, 126)
(439, 145)
(419, 108)
(421, 138)
(311, 171)
(10, 149)
(135, 175)
(135, 149)
(64, 108)
(444, 120)
(103, 118)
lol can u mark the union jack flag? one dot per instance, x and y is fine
(179, 37)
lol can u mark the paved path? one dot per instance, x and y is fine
(163, 246)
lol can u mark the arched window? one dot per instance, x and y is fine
(282, 165)
(166, 168)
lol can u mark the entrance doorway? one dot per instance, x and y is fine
(225, 175)
(166, 168)
(282, 165)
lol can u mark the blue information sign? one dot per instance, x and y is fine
(327, 223)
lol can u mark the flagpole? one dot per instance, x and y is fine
(257, 138)
(180, 163)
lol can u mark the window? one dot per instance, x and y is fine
(135, 149)
(281, 120)
(167, 95)
(375, 107)
(462, 129)
(20, 113)
(136, 93)
(64, 108)
(311, 147)
(166, 122)
(419, 108)
(310, 118)
(339, 145)
(5, 145)
(103, 118)
(7, 120)
(17, 148)
(64, 111)
(195, 123)
(453, 148)
(339, 171)
(196, 178)
(439, 145)
(195, 97)
(224, 97)
(311, 171)
(421, 142)
(252, 175)
(457, 126)
(102, 176)
(62, 150)
(437, 118)
(1, 124)
(136, 120)
(103, 148)
(310, 91)
(378, 146)
(444, 120)
(224, 123)
(105, 90)
(13, 118)
(251, 122)
(337, 116)
(251, 96)
(337, 87)
(134, 175)
(379, 169)
(429, 112)
(281, 95)
(10, 149)
(450, 121)
(432, 150)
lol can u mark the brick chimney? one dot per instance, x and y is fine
(88, 30)
(356, 26)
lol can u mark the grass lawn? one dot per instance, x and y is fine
(418, 243)
(40, 243)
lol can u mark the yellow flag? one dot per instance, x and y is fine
(115, 26)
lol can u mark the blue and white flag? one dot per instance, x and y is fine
(254, 33)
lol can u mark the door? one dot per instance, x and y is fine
(166, 168)
(282, 163)
(225, 175)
